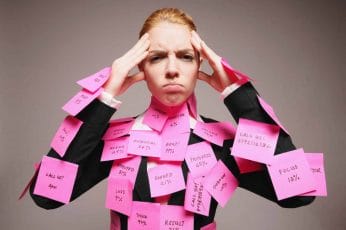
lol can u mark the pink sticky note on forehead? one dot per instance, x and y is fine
(255, 141)
(174, 148)
(115, 149)
(221, 183)
(115, 221)
(316, 163)
(211, 226)
(197, 198)
(80, 101)
(270, 112)
(200, 158)
(247, 166)
(175, 217)
(154, 118)
(65, 134)
(291, 174)
(215, 132)
(126, 168)
(119, 195)
(144, 143)
(117, 129)
(165, 179)
(179, 123)
(144, 216)
(96, 80)
(55, 179)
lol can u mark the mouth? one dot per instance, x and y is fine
(173, 88)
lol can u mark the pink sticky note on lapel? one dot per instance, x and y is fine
(80, 101)
(96, 80)
(247, 166)
(200, 158)
(211, 226)
(55, 179)
(316, 164)
(119, 195)
(65, 134)
(215, 132)
(255, 141)
(197, 198)
(25, 190)
(221, 183)
(126, 168)
(117, 129)
(144, 216)
(144, 143)
(115, 149)
(174, 148)
(291, 174)
(154, 118)
(175, 217)
(270, 112)
(165, 179)
(179, 123)
(115, 221)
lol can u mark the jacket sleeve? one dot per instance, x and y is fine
(85, 150)
(243, 103)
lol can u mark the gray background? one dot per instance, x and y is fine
(295, 51)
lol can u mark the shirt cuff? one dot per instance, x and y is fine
(109, 100)
(229, 89)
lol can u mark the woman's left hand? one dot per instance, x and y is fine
(219, 79)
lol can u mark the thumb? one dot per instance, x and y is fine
(204, 76)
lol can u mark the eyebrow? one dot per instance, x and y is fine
(178, 51)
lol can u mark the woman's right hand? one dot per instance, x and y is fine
(120, 81)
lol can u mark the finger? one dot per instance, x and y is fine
(204, 76)
(130, 80)
(195, 42)
(138, 44)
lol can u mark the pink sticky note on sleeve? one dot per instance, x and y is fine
(80, 101)
(96, 80)
(211, 226)
(115, 221)
(215, 132)
(144, 143)
(221, 183)
(65, 134)
(247, 166)
(115, 149)
(173, 148)
(154, 118)
(291, 174)
(55, 179)
(25, 190)
(234, 75)
(126, 168)
(117, 129)
(119, 195)
(255, 141)
(175, 217)
(144, 216)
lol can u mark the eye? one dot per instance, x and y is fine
(187, 57)
(155, 58)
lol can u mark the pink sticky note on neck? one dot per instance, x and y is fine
(211, 226)
(255, 141)
(178, 123)
(174, 148)
(126, 168)
(117, 129)
(96, 80)
(115, 149)
(65, 134)
(175, 217)
(115, 221)
(154, 118)
(119, 195)
(144, 216)
(215, 132)
(144, 143)
(55, 179)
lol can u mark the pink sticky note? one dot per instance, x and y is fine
(247, 166)
(65, 134)
(126, 168)
(96, 80)
(291, 174)
(165, 179)
(221, 183)
(117, 129)
(144, 216)
(215, 132)
(197, 198)
(154, 118)
(211, 226)
(25, 190)
(175, 217)
(270, 112)
(144, 143)
(316, 164)
(200, 158)
(115, 221)
(115, 149)
(255, 141)
(80, 101)
(173, 148)
(119, 195)
(121, 120)
(55, 179)
(179, 123)
(234, 75)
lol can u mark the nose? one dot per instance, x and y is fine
(171, 69)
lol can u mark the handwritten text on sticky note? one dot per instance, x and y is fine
(144, 143)
(115, 149)
(119, 195)
(175, 217)
(144, 215)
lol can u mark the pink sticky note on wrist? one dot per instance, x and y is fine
(117, 129)
(80, 101)
(55, 179)
(65, 134)
(247, 166)
(115, 149)
(165, 179)
(179, 123)
(197, 198)
(211, 226)
(144, 216)
(144, 143)
(175, 217)
(96, 80)
(200, 158)
(115, 221)
(126, 168)
(119, 195)
(155, 119)
(291, 174)
(255, 141)
(215, 132)
(221, 183)
(174, 148)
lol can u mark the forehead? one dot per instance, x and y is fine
(169, 36)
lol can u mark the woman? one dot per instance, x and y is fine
(168, 55)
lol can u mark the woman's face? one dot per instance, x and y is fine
(172, 64)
